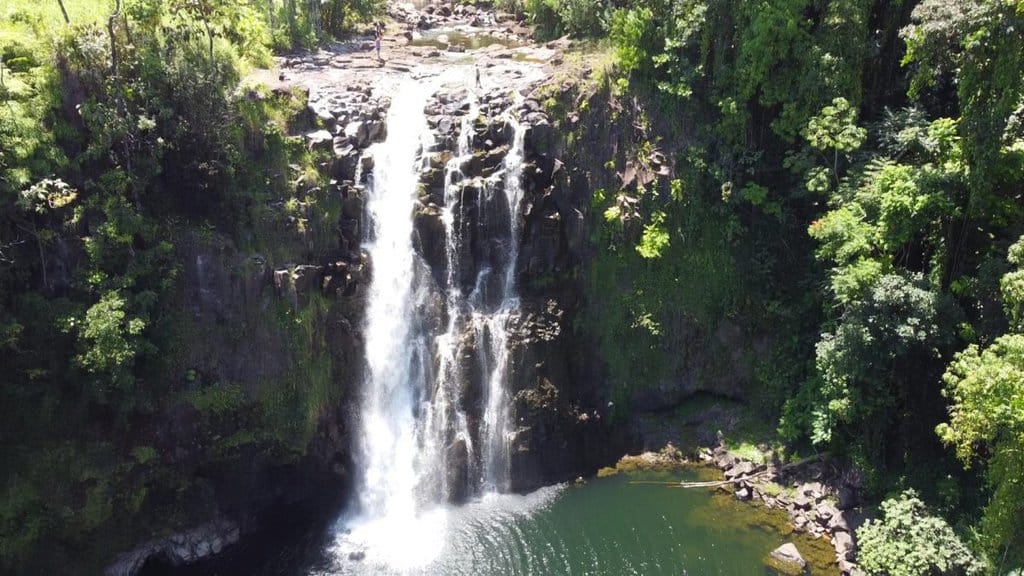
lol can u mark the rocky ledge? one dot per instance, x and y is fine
(178, 549)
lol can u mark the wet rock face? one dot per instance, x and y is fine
(560, 423)
(457, 471)
(479, 204)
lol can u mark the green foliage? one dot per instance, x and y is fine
(111, 342)
(103, 163)
(1011, 285)
(582, 18)
(887, 329)
(909, 209)
(662, 42)
(908, 541)
(338, 17)
(655, 238)
(986, 387)
(651, 283)
(834, 130)
(577, 18)
(144, 454)
(217, 398)
(976, 44)
(885, 236)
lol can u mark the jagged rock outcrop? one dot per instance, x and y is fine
(178, 549)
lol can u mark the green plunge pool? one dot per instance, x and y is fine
(613, 526)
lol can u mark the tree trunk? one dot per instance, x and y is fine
(64, 12)
(113, 40)
(127, 29)
(314, 15)
(209, 35)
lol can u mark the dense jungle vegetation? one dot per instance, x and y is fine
(853, 184)
(848, 176)
(125, 136)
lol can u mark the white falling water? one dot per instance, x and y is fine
(495, 426)
(391, 525)
(418, 445)
(446, 423)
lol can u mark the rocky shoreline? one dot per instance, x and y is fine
(820, 497)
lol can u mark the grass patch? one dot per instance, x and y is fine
(28, 20)
(217, 398)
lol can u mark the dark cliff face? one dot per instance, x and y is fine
(270, 353)
(562, 407)
(578, 410)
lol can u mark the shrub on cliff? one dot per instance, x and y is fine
(908, 541)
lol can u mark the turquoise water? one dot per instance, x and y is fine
(611, 526)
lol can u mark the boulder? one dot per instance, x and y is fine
(345, 161)
(362, 133)
(843, 543)
(540, 137)
(376, 131)
(803, 502)
(306, 278)
(429, 237)
(320, 140)
(740, 470)
(787, 560)
(723, 460)
(366, 164)
(847, 497)
(824, 512)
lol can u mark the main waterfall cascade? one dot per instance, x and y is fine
(434, 414)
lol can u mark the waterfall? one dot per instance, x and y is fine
(495, 430)
(388, 419)
(434, 413)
